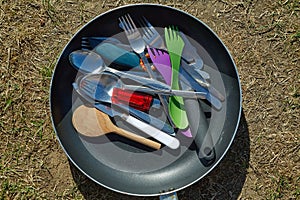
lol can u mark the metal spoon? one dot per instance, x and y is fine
(102, 91)
(87, 61)
(91, 62)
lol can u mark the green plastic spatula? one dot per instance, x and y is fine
(175, 46)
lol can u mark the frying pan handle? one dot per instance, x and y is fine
(199, 126)
(172, 196)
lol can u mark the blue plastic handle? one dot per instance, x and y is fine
(117, 55)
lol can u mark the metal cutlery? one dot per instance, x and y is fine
(155, 40)
(102, 93)
(138, 45)
(199, 79)
(151, 36)
(90, 62)
(187, 79)
(215, 102)
(190, 54)
(100, 89)
(86, 61)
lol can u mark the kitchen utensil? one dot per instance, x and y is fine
(185, 169)
(91, 122)
(88, 87)
(155, 40)
(196, 86)
(190, 54)
(90, 62)
(137, 100)
(140, 99)
(138, 45)
(151, 36)
(117, 55)
(161, 61)
(102, 92)
(160, 136)
(176, 108)
(90, 43)
(202, 81)
(86, 61)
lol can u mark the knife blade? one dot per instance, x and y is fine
(189, 53)
(201, 81)
(215, 102)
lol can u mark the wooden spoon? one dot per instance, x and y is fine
(93, 123)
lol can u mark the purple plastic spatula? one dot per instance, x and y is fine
(161, 61)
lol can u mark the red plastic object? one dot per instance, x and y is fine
(137, 100)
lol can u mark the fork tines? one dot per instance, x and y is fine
(146, 27)
(128, 23)
(85, 44)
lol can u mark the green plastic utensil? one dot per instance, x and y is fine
(175, 46)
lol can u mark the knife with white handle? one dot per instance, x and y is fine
(160, 136)
(157, 134)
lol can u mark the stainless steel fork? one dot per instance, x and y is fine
(138, 45)
(135, 40)
(151, 36)
(154, 39)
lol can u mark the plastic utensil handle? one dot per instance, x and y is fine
(118, 55)
(137, 100)
(164, 138)
(150, 119)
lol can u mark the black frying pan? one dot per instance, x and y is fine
(131, 169)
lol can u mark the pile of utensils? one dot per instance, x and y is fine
(155, 73)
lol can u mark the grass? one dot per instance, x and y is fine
(264, 40)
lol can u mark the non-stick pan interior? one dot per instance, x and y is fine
(125, 173)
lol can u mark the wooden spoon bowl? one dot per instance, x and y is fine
(91, 122)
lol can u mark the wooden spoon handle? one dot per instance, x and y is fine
(139, 139)
(107, 126)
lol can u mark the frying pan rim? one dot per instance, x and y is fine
(239, 86)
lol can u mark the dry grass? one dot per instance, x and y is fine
(264, 39)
